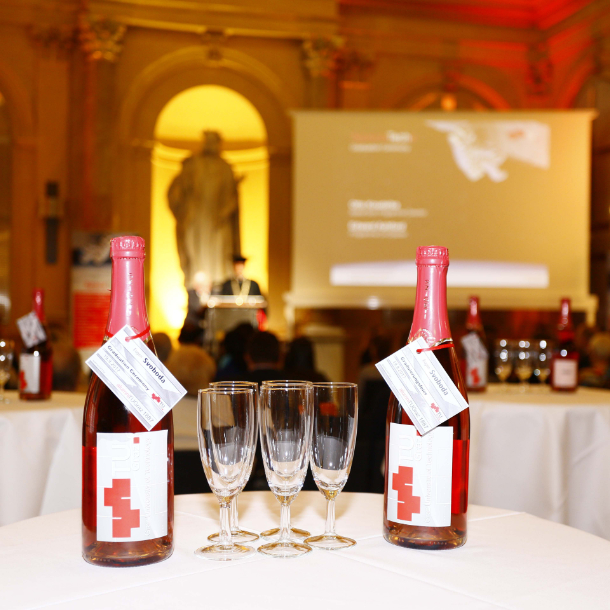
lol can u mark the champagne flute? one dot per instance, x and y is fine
(285, 420)
(226, 432)
(543, 366)
(503, 364)
(335, 419)
(237, 534)
(524, 363)
(295, 532)
(7, 348)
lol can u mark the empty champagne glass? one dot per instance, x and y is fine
(285, 420)
(543, 366)
(503, 360)
(295, 532)
(226, 432)
(335, 419)
(7, 348)
(524, 363)
(237, 534)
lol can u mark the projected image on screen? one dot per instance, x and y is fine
(506, 193)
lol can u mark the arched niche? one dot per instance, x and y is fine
(149, 94)
(17, 183)
(178, 134)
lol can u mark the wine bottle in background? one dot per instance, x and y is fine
(564, 363)
(36, 362)
(476, 356)
(128, 472)
(407, 517)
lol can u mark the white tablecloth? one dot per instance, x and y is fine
(512, 561)
(544, 453)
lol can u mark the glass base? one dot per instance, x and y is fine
(236, 536)
(219, 552)
(330, 542)
(295, 533)
(284, 550)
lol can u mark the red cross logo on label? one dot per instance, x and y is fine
(23, 384)
(156, 398)
(408, 504)
(124, 518)
(474, 373)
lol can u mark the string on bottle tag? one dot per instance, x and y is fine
(440, 345)
(127, 339)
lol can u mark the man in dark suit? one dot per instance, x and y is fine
(239, 285)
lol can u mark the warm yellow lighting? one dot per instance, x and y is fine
(178, 134)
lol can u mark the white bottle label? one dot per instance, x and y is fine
(419, 477)
(29, 373)
(565, 373)
(476, 360)
(132, 482)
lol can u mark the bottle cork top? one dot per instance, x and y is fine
(127, 246)
(432, 255)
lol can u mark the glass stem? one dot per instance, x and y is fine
(329, 530)
(234, 518)
(225, 528)
(284, 522)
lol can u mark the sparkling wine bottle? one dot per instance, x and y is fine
(476, 357)
(564, 363)
(426, 492)
(128, 472)
(36, 362)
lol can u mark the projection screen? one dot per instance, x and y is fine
(507, 193)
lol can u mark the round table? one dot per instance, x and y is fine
(511, 560)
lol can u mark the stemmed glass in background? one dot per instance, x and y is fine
(6, 362)
(503, 360)
(226, 432)
(285, 420)
(237, 534)
(295, 532)
(524, 363)
(543, 364)
(335, 419)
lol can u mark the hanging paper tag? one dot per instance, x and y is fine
(137, 377)
(32, 331)
(421, 385)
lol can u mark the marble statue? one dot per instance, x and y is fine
(203, 198)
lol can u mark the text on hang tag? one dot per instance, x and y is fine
(31, 330)
(421, 385)
(136, 377)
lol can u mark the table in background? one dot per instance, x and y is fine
(547, 454)
(511, 560)
(543, 452)
(41, 448)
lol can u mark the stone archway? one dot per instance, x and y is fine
(149, 94)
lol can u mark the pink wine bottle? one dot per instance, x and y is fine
(476, 359)
(426, 477)
(36, 362)
(564, 363)
(128, 472)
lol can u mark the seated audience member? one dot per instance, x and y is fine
(598, 374)
(232, 364)
(300, 362)
(192, 366)
(263, 357)
(373, 398)
(66, 367)
(163, 345)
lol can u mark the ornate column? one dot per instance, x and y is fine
(320, 61)
(355, 69)
(101, 42)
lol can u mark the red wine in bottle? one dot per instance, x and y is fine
(36, 362)
(128, 472)
(476, 358)
(426, 477)
(564, 363)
